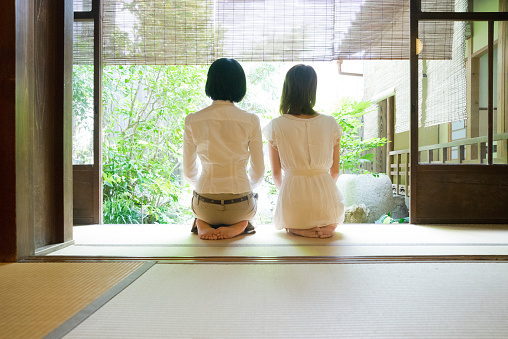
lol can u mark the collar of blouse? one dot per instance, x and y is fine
(222, 102)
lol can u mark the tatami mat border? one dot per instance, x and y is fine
(82, 315)
(279, 260)
(291, 245)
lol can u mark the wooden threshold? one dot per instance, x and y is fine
(45, 250)
(278, 260)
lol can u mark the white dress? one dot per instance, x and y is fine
(308, 197)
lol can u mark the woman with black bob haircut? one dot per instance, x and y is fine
(219, 142)
(305, 145)
(226, 81)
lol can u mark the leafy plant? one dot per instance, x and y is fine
(387, 219)
(144, 112)
(82, 114)
(354, 150)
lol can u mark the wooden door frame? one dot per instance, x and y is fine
(87, 196)
(454, 193)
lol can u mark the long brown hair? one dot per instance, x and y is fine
(299, 91)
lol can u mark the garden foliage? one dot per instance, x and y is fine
(354, 149)
(144, 112)
(144, 108)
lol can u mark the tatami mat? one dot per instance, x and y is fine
(349, 240)
(36, 298)
(409, 300)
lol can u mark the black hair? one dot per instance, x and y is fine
(299, 91)
(226, 81)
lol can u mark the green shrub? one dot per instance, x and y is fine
(354, 150)
(144, 112)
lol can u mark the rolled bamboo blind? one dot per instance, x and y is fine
(441, 74)
(199, 31)
(83, 42)
(82, 5)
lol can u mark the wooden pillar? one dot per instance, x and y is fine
(53, 123)
(502, 83)
(414, 10)
(473, 102)
(16, 124)
(390, 133)
(380, 160)
(97, 8)
(35, 130)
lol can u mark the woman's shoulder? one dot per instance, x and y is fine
(328, 119)
(278, 120)
(199, 113)
(270, 125)
(253, 117)
(240, 111)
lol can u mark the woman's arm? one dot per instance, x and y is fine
(275, 166)
(190, 166)
(334, 170)
(257, 162)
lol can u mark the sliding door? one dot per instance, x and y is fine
(459, 130)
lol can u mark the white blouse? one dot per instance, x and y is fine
(224, 138)
(309, 196)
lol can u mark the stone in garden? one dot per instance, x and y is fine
(373, 192)
(356, 214)
(400, 210)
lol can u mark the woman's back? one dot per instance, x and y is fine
(305, 144)
(224, 138)
(308, 196)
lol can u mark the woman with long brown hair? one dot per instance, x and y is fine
(305, 145)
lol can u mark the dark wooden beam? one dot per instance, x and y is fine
(83, 16)
(462, 16)
(97, 139)
(490, 132)
(414, 11)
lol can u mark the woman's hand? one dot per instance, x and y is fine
(275, 166)
(334, 170)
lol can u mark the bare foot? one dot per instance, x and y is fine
(315, 232)
(326, 231)
(205, 231)
(228, 232)
(308, 233)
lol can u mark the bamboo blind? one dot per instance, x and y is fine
(383, 75)
(441, 83)
(83, 42)
(444, 6)
(82, 5)
(159, 32)
(199, 31)
(446, 82)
